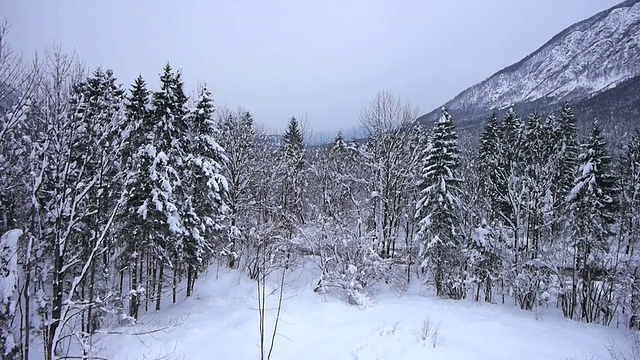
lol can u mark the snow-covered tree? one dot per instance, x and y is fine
(391, 163)
(443, 244)
(205, 207)
(97, 111)
(155, 191)
(292, 177)
(489, 157)
(629, 246)
(537, 170)
(568, 150)
(593, 205)
(238, 136)
(167, 156)
(134, 232)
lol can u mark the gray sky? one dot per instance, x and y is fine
(323, 59)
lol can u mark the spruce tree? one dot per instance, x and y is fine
(489, 158)
(292, 176)
(568, 150)
(136, 233)
(507, 165)
(137, 127)
(593, 207)
(338, 142)
(205, 206)
(438, 210)
(162, 159)
(293, 144)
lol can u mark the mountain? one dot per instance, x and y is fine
(585, 65)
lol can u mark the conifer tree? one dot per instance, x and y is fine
(536, 176)
(507, 165)
(138, 124)
(205, 205)
(136, 232)
(489, 158)
(438, 210)
(162, 158)
(292, 176)
(293, 144)
(593, 206)
(568, 150)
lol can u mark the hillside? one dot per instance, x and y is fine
(588, 63)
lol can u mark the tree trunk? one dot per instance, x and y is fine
(189, 280)
(27, 298)
(175, 280)
(83, 318)
(133, 300)
(121, 286)
(91, 322)
(56, 301)
(140, 262)
(159, 289)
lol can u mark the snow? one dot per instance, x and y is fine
(480, 235)
(143, 210)
(221, 322)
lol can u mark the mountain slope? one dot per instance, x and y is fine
(587, 58)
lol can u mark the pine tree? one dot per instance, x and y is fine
(293, 144)
(568, 151)
(138, 123)
(489, 158)
(510, 130)
(292, 176)
(205, 206)
(438, 210)
(135, 231)
(536, 176)
(507, 165)
(593, 207)
(168, 194)
(155, 188)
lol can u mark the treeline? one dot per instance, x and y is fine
(114, 200)
(108, 189)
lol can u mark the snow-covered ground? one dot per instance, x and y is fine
(221, 322)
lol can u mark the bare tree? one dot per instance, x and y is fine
(392, 166)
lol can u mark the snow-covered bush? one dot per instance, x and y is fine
(351, 267)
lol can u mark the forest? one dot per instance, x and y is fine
(114, 199)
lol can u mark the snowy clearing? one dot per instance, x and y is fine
(221, 322)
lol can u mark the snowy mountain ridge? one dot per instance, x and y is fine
(585, 59)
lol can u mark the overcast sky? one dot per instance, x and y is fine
(322, 59)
